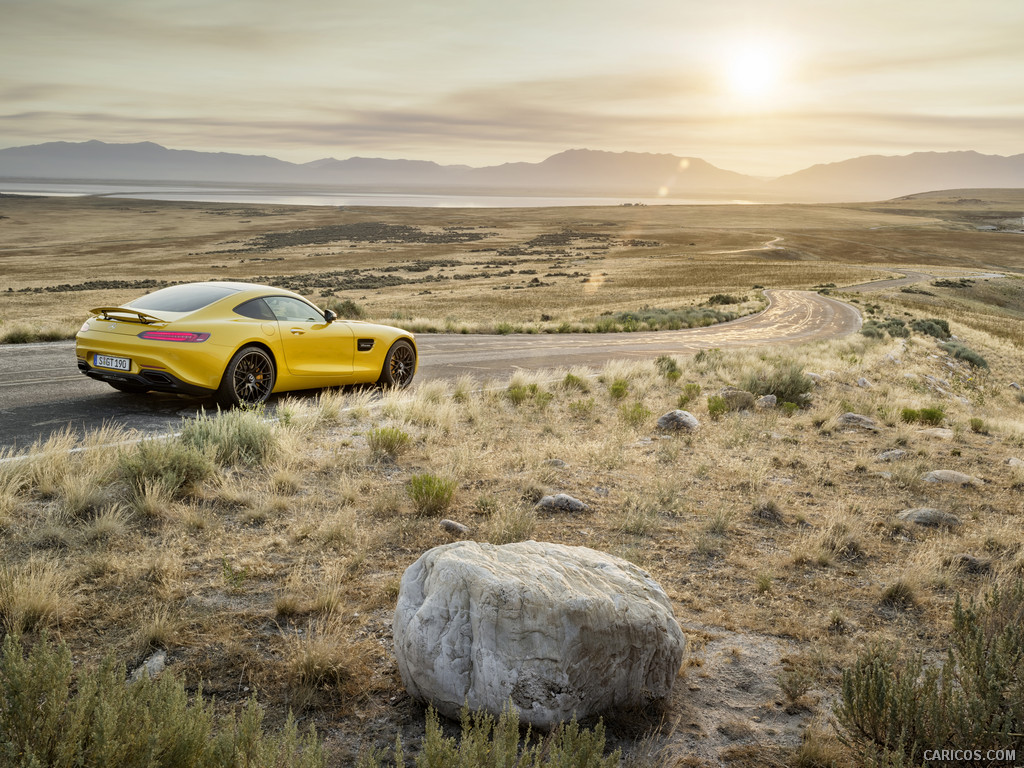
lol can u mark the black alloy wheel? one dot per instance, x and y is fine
(248, 379)
(399, 365)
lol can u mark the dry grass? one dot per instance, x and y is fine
(272, 564)
(278, 571)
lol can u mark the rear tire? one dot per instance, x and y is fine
(248, 379)
(399, 365)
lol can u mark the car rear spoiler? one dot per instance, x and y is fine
(129, 315)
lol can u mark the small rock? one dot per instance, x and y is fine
(1014, 385)
(454, 528)
(858, 421)
(928, 516)
(940, 433)
(683, 420)
(556, 463)
(893, 454)
(864, 383)
(561, 502)
(891, 358)
(1013, 461)
(766, 402)
(151, 667)
(951, 476)
(815, 377)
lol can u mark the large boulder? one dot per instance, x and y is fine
(560, 631)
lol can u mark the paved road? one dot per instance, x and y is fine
(41, 389)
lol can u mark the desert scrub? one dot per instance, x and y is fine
(689, 393)
(33, 595)
(894, 707)
(238, 436)
(489, 743)
(48, 717)
(717, 406)
(932, 416)
(965, 353)
(387, 441)
(668, 367)
(519, 394)
(783, 378)
(574, 383)
(430, 494)
(931, 326)
(634, 414)
(171, 466)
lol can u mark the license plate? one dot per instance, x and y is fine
(117, 363)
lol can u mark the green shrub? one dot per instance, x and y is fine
(574, 382)
(237, 436)
(691, 390)
(667, 319)
(978, 426)
(171, 465)
(961, 352)
(618, 389)
(931, 326)
(932, 416)
(387, 441)
(518, 394)
(724, 298)
(872, 330)
(582, 409)
(49, 718)
(784, 378)
(717, 406)
(788, 409)
(877, 329)
(346, 308)
(430, 494)
(634, 414)
(486, 743)
(668, 367)
(894, 707)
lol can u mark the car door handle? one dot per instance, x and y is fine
(298, 331)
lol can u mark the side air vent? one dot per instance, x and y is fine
(364, 345)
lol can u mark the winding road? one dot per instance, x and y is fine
(41, 389)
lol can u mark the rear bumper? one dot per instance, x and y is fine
(157, 381)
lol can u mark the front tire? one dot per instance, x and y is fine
(248, 379)
(399, 365)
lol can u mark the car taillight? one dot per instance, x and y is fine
(84, 328)
(188, 336)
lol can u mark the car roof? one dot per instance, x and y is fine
(254, 289)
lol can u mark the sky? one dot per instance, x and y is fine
(763, 87)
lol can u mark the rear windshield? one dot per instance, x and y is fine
(182, 298)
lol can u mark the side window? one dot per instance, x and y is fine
(290, 310)
(256, 309)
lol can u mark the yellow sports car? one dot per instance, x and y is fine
(238, 342)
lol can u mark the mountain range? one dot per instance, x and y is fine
(577, 172)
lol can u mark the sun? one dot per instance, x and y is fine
(754, 71)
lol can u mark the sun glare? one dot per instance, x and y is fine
(753, 71)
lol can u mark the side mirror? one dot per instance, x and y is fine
(330, 315)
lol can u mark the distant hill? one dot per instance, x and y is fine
(876, 177)
(579, 172)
